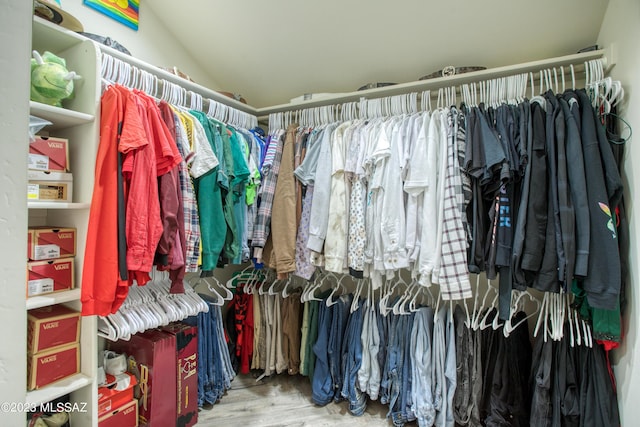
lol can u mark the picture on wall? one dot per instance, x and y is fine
(123, 11)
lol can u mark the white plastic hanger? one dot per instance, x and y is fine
(518, 298)
(339, 286)
(356, 296)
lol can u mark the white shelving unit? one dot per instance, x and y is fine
(60, 117)
(77, 123)
(57, 205)
(60, 388)
(54, 298)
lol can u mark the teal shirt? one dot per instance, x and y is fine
(209, 198)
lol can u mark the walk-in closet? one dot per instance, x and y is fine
(319, 214)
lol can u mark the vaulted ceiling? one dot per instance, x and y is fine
(272, 51)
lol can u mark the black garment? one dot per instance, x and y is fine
(510, 396)
(565, 387)
(524, 144)
(598, 400)
(462, 402)
(506, 127)
(231, 329)
(565, 215)
(490, 349)
(602, 282)
(617, 147)
(474, 167)
(540, 380)
(536, 215)
(577, 184)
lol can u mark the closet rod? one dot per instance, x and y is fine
(186, 84)
(577, 60)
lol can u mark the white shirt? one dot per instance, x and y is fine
(204, 159)
(428, 238)
(335, 244)
(392, 220)
(321, 194)
(414, 185)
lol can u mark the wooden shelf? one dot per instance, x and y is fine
(57, 205)
(60, 117)
(51, 299)
(58, 389)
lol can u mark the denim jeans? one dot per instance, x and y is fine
(322, 384)
(352, 358)
(214, 365)
(421, 339)
(370, 369)
(339, 316)
(395, 360)
(450, 368)
(438, 353)
(406, 397)
(385, 327)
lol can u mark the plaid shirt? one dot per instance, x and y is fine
(454, 274)
(190, 206)
(270, 170)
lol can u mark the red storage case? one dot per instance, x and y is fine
(110, 399)
(187, 372)
(49, 154)
(124, 416)
(155, 355)
(50, 366)
(51, 243)
(45, 277)
(52, 326)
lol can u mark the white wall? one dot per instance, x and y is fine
(152, 42)
(15, 33)
(621, 26)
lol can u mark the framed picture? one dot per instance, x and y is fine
(123, 11)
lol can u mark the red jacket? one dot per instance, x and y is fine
(103, 290)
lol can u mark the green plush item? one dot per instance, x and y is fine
(51, 82)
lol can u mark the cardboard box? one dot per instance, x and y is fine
(110, 399)
(51, 243)
(51, 327)
(50, 186)
(155, 355)
(49, 154)
(52, 365)
(187, 372)
(124, 416)
(44, 277)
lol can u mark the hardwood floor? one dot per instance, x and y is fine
(283, 400)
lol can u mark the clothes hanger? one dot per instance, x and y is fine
(419, 292)
(339, 286)
(356, 295)
(385, 294)
(483, 323)
(399, 306)
(285, 290)
(518, 305)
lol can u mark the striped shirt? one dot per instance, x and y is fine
(190, 207)
(454, 274)
(270, 170)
